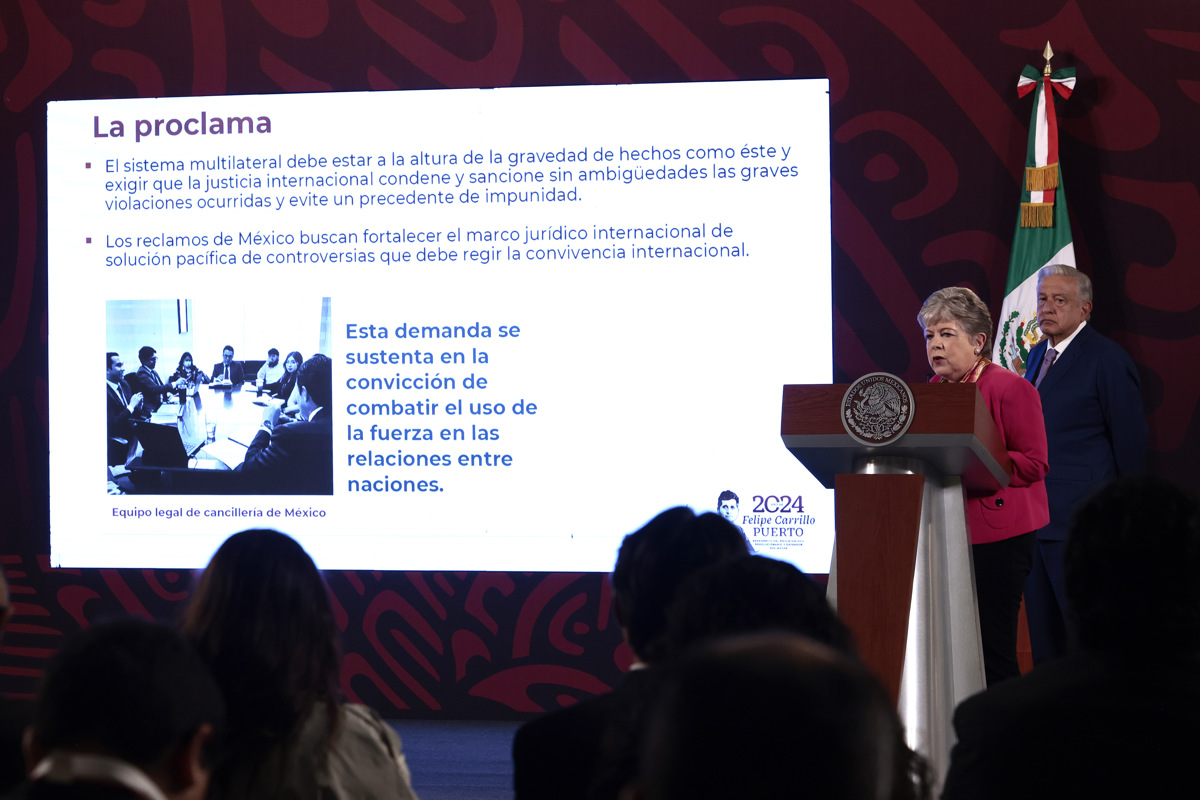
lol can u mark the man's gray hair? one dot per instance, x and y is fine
(1082, 282)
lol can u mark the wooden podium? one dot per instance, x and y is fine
(902, 577)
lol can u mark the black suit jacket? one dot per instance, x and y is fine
(150, 384)
(235, 372)
(1086, 725)
(119, 415)
(1095, 424)
(120, 423)
(297, 458)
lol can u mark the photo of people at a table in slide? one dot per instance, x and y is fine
(213, 396)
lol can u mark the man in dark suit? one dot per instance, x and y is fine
(557, 756)
(123, 403)
(126, 711)
(297, 457)
(1095, 429)
(227, 369)
(147, 381)
(1119, 717)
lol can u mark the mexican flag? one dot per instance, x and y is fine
(1043, 234)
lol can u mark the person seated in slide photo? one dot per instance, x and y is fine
(147, 381)
(227, 370)
(270, 373)
(297, 457)
(123, 404)
(188, 372)
(287, 384)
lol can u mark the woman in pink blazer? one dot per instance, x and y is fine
(957, 328)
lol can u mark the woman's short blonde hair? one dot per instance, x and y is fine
(960, 305)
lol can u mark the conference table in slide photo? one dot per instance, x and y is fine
(194, 444)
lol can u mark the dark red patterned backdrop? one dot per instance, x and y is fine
(928, 137)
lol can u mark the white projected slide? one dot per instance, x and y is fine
(551, 314)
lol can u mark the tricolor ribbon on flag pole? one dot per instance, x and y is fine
(1041, 164)
(1043, 231)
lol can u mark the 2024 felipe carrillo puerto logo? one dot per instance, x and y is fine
(877, 409)
(777, 526)
(776, 521)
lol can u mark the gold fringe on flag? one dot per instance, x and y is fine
(1041, 179)
(1037, 215)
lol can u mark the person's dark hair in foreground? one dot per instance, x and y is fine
(262, 618)
(771, 716)
(731, 598)
(556, 756)
(132, 692)
(1120, 715)
(655, 560)
(750, 595)
(1133, 568)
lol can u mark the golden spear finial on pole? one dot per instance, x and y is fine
(1047, 54)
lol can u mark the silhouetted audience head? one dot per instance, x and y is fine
(771, 716)
(752, 595)
(1133, 568)
(654, 560)
(130, 690)
(731, 597)
(262, 619)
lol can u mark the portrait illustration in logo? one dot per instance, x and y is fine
(727, 505)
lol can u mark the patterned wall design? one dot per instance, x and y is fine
(928, 139)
